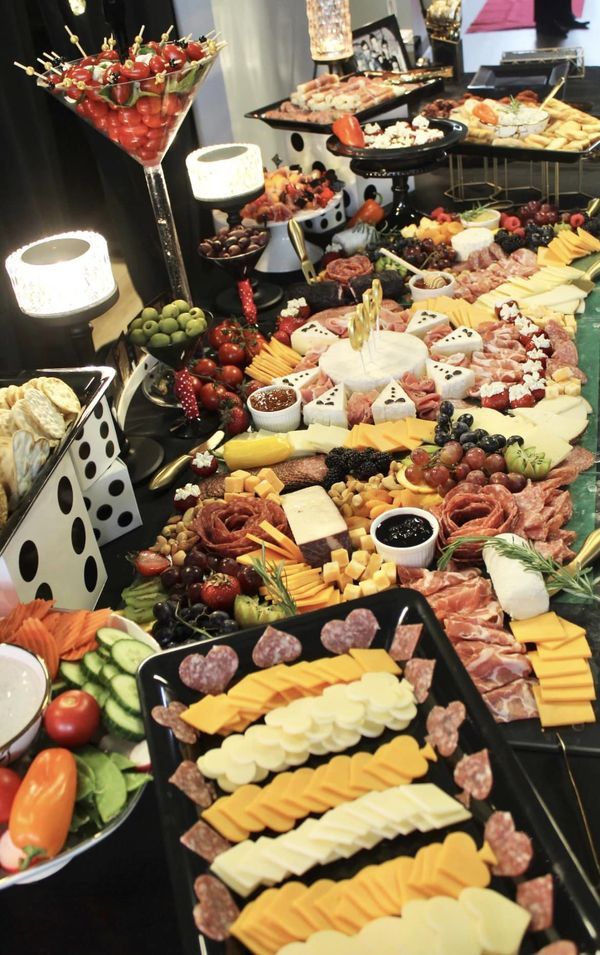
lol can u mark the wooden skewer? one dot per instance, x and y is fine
(52, 55)
(165, 36)
(48, 66)
(137, 40)
(75, 40)
(31, 71)
(111, 42)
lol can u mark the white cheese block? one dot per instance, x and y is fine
(392, 404)
(316, 524)
(328, 408)
(454, 928)
(471, 240)
(465, 340)
(568, 425)
(450, 381)
(298, 379)
(424, 321)
(311, 335)
(557, 296)
(500, 923)
(552, 446)
(325, 437)
(521, 591)
(385, 357)
(494, 422)
(563, 403)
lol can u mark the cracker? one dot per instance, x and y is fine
(7, 422)
(40, 453)
(12, 395)
(60, 394)
(22, 448)
(3, 506)
(557, 143)
(3, 402)
(48, 421)
(23, 420)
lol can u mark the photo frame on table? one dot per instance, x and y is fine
(379, 46)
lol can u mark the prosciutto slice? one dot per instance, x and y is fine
(490, 667)
(429, 582)
(514, 701)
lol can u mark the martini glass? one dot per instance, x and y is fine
(142, 118)
(239, 267)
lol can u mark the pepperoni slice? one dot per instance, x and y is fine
(406, 637)
(474, 774)
(204, 841)
(443, 724)
(537, 896)
(216, 911)
(419, 674)
(275, 646)
(209, 674)
(170, 716)
(188, 778)
(361, 625)
(512, 849)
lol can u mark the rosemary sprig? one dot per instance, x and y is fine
(580, 584)
(272, 577)
(475, 210)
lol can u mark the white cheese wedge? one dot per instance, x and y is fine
(521, 591)
(563, 403)
(392, 404)
(450, 381)
(424, 321)
(500, 923)
(298, 379)
(328, 408)
(465, 340)
(568, 425)
(311, 335)
(494, 422)
(385, 357)
(471, 240)
(316, 524)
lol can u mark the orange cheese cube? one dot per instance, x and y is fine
(268, 474)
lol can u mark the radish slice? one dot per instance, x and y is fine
(10, 855)
(138, 753)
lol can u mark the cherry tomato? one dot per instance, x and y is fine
(225, 331)
(157, 64)
(112, 74)
(348, 131)
(253, 341)
(230, 353)
(171, 104)
(97, 110)
(252, 387)
(236, 421)
(148, 154)
(195, 50)
(130, 140)
(152, 121)
(231, 400)
(78, 74)
(121, 93)
(72, 718)
(212, 395)
(205, 367)
(148, 105)
(9, 783)
(282, 336)
(231, 375)
(197, 385)
(108, 55)
(149, 564)
(174, 55)
(135, 70)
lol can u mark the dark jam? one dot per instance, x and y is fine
(404, 530)
(275, 400)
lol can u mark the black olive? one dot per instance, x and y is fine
(447, 408)
(468, 436)
(479, 433)
(466, 419)
(488, 445)
(461, 427)
(441, 437)
(444, 424)
(468, 445)
(500, 441)
(515, 439)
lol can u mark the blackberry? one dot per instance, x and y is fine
(511, 243)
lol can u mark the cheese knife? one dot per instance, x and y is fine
(297, 239)
(169, 472)
(590, 550)
(586, 282)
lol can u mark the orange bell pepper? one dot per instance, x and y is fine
(42, 809)
(370, 212)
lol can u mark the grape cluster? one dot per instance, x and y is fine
(176, 624)
(421, 252)
(361, 464)
(538, 235)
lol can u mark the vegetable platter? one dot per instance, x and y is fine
(358, 863)
(87, 768)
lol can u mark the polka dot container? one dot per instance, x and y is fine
(111, 504)
(95, 446)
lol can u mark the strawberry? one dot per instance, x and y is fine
(149, 564)
(219, 591)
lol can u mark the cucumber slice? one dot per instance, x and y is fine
(92, 664)
(128, 654)
(107, 636)
(100, 693)
(124, 689)
(108, 671)
(73, 674)
(103, 652)
(121, 722)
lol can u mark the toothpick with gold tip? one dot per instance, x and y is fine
(366, 316)
(75, 40)
(31, 71)
(137, 40)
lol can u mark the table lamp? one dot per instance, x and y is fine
(329, 30)
(64, 281)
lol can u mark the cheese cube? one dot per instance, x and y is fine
(375, 562)
(368, 588)
(233, 485)
(361, 556)
(268, 474)
(344, 581)
(381, 580)
(351, 592)
(273, 497)
(389, 569)
(367, 543)
(561, 374)
(331, 572)
(340, 556)
(572, 387)
(263, 488)
(355, 534)
(552, 391)
(355, 570)
(241, 474)
(250, 482)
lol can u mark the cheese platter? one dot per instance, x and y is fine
(212, 888)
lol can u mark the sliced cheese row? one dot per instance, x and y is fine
(338, 834)
(479, 922)
(329, 723)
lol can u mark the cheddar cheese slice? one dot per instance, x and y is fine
(562, 714)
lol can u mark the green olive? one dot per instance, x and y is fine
(159, 340)
(179, 337)
(150, 328)
(195, 327)
(196, 312)
(168, 325)
(169, 311)
(181, 305)
(149, 313)
(136, 323)
(137, 337)
(184, 318)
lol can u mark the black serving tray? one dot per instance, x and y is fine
(577, 907)
(402, 157)
(525, 154)
(424, 88)
(89, 384)
(496, 82)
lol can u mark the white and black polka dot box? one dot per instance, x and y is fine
(95, 446)
(54, 551)
(111, 504)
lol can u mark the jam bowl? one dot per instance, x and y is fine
(406, 535)
(275, 408)
(442, 283)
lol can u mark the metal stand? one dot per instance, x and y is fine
(402, 212)
(481, 190)
(169, 240)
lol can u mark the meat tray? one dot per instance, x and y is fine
(424, 88)
(89, 384)
(577, 908)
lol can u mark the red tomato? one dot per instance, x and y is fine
(236, 421)
(135, 70)
(72, 718)
(205, 367)
(194, 50)
(212, 396)
(151, 86)
(157, 64)
(281, 336)
(253, 341)
(225, 331)
(252, 386)
(230, 353)
(9, 783)
(171, 104)
(197, 385)
(120, 93)
(152, 121)
(131, 140)
(231, 375)
(231, 400)
(348, 131)
(129, 117)
(149, 154)
(148, 105)
(149, 564)
(97, 110)
(174, 55)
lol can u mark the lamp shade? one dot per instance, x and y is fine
(219, 173)
(62, 275)
(329, 29)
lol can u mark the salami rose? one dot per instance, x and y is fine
(222, 526)
(343, 270)
(469, 510)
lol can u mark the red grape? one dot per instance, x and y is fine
(475, 458)
(415, 475)
(446, 486)
(516, 482)
(451, 453)
(437, 475)
(499, 477)
(419, 457)
(478, 477)
(494, 463)
(461, 471)
(429, 477)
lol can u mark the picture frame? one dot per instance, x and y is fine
(378, 46)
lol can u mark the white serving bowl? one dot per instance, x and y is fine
(420, 555)
(487, 219)
(287, 419)
(19, 669)
(421, 294)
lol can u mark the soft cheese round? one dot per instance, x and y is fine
(386, 356)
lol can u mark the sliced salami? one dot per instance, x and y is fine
(170, 716)
(209, 674)
(537, 896)
(204, 841)
(474, 774)
(512, 849)
(334, 636)
(216, 911)
(561, 947)
(190, 780)
(419, 674)
(406, 637)
(443, 724)
(361, 626)
(275, 646)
